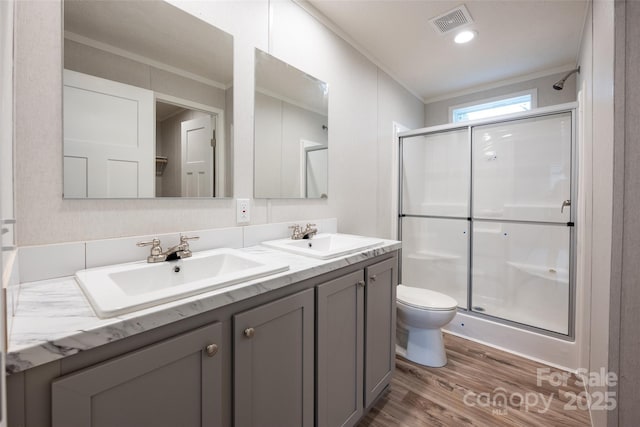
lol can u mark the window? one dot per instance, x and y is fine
(513, 103)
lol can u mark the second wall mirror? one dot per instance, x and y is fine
(291, 144)
(148, 102)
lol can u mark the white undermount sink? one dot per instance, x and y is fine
(325, 245)
(124, 288)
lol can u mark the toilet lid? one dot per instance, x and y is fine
(424, 298)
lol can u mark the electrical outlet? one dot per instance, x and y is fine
(242, 211)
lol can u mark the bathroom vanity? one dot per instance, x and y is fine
(310, 346)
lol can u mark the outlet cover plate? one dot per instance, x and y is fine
(242, 211)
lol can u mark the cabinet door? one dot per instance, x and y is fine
(173, 383)
(340, 339)
(273, 363)
(380, 327)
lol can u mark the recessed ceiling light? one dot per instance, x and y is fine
(465, 36)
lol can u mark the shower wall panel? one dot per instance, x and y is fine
(522, 169)
(521, 273)
(436, 173)
(435, 255)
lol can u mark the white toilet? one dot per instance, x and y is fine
(423, 312)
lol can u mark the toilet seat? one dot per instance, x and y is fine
(424, 299)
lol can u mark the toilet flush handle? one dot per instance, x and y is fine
(565, 204)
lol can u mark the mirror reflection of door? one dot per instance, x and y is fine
(316, 172)
(197, 142)
(103, 157)
(187, 156)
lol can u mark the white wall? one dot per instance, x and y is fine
(596, 79)
(6, 121)
(6, 179)
(394, 105)
(363, 103)
(268, 148)
(279, 129)
(584, 205)
(437, 111)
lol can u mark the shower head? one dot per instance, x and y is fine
(559, 85)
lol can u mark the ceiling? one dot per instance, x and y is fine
(517, 40)
(157, 31)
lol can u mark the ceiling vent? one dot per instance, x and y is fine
(451, 20)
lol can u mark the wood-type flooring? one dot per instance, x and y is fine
(479, 386)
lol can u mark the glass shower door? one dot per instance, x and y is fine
(521, 213)
(435, 211)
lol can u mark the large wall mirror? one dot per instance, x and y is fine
(148, 102)
(291, 144)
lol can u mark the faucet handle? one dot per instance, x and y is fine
(309, 231)
(185, 251)
(297, 231)
(156, 249)
(185, 239)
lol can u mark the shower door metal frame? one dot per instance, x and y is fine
(469, 125)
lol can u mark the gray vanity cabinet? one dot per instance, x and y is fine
(318, 352)
(175, 382)
(355, 342)
(380, 322)
(340, 339)
(273, 365)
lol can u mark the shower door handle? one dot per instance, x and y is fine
(565, 204)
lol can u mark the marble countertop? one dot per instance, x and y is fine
(53, 319)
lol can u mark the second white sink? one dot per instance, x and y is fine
(325, 246)
(124, 288)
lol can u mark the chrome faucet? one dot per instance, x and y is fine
(309, 231)
(298, 233)
(179, 251)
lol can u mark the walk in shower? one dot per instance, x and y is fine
(486, 216)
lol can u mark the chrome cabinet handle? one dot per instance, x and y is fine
(373, 278)
(249, 332)
(565, 204)
(211, 350)
(360, 283)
